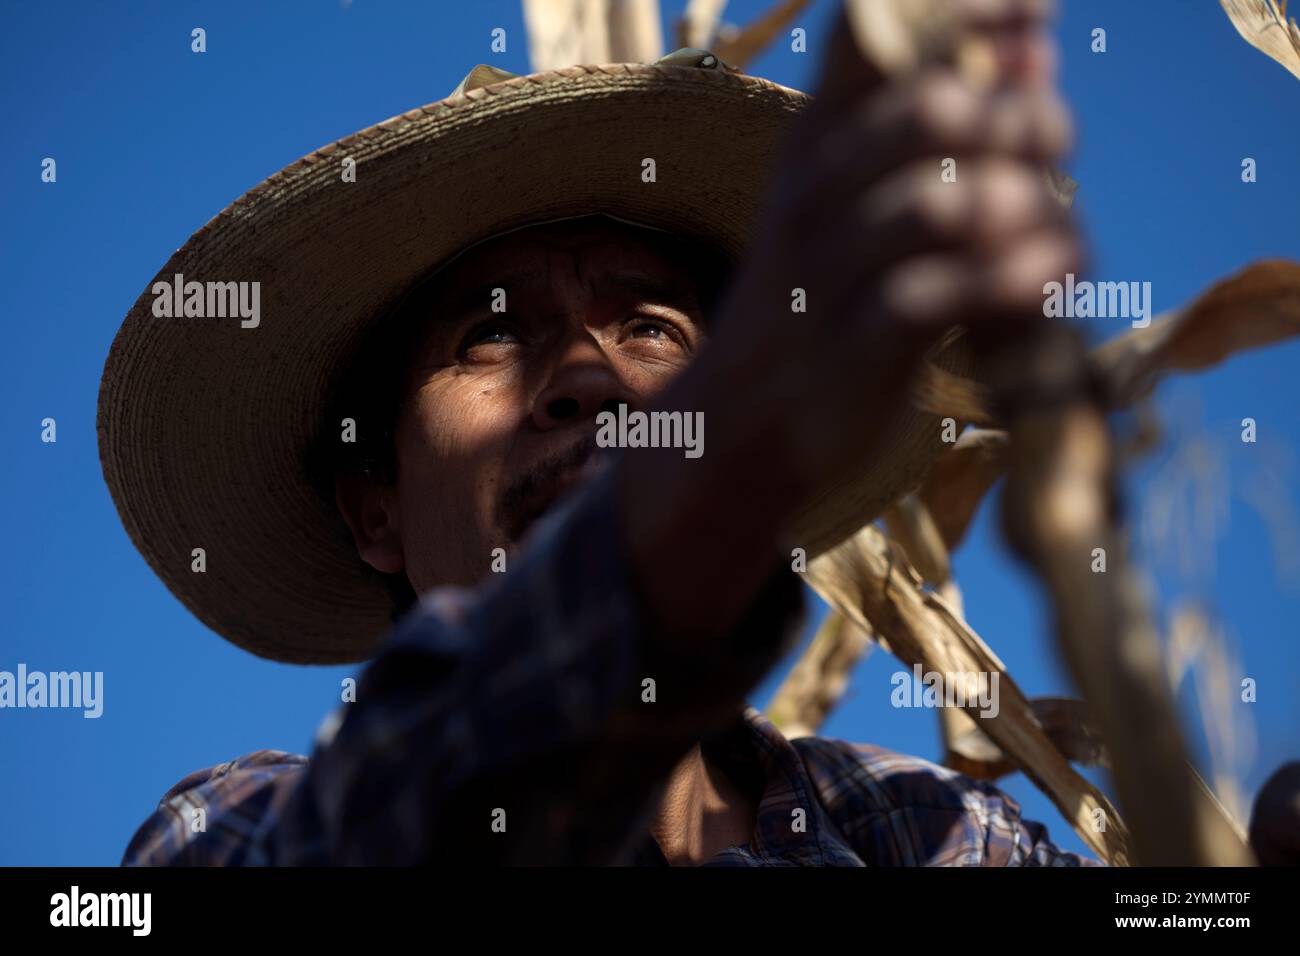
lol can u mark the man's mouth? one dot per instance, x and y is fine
(546, 484)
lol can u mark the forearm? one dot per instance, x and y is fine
(531, 712)
(703, 533)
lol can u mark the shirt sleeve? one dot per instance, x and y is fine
(531, 721)
(212, 816)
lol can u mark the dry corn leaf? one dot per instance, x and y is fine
(1264, 25)
(1258, 306)
(942, 393)
(960, 480)
(873, 586)
(914, 530)
(1062, 185)
(1066, 723)
(746, 44)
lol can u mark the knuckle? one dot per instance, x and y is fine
(1011, 192)
(943, 111)
(1013, 199)
(1023, 270)
(939, 209)
(925, 292)
(1053, 123)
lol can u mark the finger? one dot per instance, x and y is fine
(846, 75)
(998, 204)
(1023, 51)
(995, 295)
(914, 213)
(991, 14)
(941, 117)
(995, 201)
(849, 74)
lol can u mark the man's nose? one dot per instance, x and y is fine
(583, 382)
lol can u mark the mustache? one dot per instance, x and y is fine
(524, 492)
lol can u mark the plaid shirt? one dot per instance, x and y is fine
(512, 726)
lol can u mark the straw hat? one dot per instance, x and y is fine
(204, 423)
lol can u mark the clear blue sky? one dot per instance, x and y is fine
(152, 140)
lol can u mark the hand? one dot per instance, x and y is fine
(889, 254)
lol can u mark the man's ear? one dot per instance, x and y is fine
(370, 510)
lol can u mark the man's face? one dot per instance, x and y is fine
(500, 407)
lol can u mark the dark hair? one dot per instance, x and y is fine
(370, 387)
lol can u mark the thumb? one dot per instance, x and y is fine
(847, 75)
(876, 41)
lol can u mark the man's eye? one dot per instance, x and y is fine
(488, 335)
(655, 330)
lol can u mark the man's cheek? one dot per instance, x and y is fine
(446, 534)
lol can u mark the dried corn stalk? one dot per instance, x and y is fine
(875, 587)
(1058, 509)
(912, 528)
(1193, 641)
(818, 680)
(635, 34)
(1066, 722)
(699, 25)
(1255, 307)
(960, 480)
(743, 46)
(565, 32)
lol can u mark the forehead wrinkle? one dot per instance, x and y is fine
(652, 290)
(637, 270)
(461, 297)
(647, 275)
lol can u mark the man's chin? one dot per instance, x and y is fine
(553, 497)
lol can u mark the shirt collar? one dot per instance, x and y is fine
(752, 749)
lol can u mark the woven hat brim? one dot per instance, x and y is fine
(204, 426)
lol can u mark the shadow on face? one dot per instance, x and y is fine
(479, 395)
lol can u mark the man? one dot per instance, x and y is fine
(414, 413)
